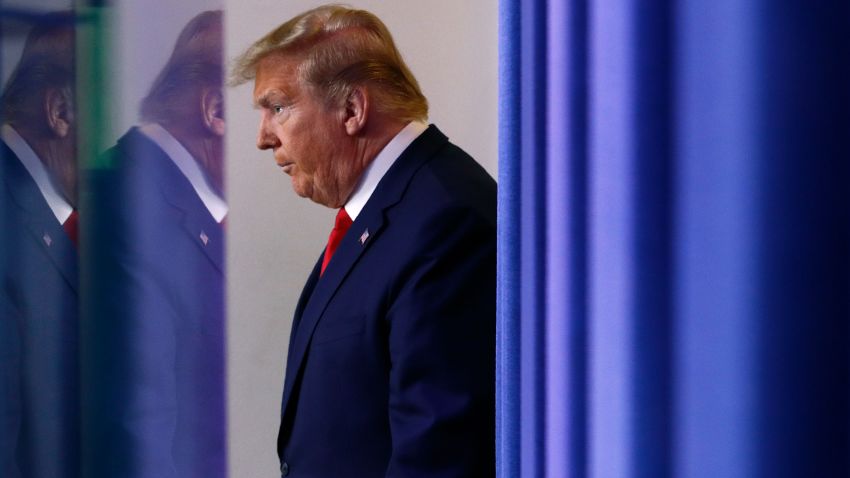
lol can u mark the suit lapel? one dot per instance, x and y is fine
(196, 220)
(56, 243)
(363, 232)
(206, 234)
(343, 260)
(39, 219)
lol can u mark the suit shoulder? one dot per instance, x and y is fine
(452, 179)
(133, 152)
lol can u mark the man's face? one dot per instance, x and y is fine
(307, 138)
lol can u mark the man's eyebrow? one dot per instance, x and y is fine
(265, 99)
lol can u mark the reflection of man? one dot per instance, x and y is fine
(38, 260)
(391, 360)
(157, 386)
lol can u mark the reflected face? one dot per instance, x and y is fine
(307, 138)
(56, 144)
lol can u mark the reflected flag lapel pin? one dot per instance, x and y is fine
(364, 237)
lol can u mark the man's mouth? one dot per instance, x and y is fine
(287, 167)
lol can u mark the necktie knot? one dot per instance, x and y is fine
(341, 225)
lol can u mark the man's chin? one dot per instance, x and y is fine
(321, 200)
(298, 186)
(309, 191)
(305, 190)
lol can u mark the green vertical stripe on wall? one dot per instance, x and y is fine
(95, 88)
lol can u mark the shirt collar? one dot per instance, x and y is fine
(380, 165)
(60, 206)
(190, 168)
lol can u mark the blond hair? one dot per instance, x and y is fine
(340, 48)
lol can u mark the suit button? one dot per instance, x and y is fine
(284, 469)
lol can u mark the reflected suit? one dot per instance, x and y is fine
(39, 429)
(158, 333)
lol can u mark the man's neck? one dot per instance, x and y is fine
(378, 134)
(57, 158)
(368, 145)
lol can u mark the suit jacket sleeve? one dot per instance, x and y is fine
(442, 349)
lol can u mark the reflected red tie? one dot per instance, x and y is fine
(343, 222)
(71, 226)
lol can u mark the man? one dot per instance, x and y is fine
(390, 369)
(39, 430)
(155, 365)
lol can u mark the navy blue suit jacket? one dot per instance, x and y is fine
(39, 407)
(392, 354)
(155, 345)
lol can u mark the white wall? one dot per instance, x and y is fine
(275, 237)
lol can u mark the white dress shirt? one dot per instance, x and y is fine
(376, 170)
(57, 202)
(190, 168)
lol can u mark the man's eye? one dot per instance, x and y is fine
(277, 109)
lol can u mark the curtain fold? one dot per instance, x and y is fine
(507, 309)
(674, 238)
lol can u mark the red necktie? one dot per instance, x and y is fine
(343, 222)
(71, 226)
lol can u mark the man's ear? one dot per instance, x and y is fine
(59, 111)
(212, 107)
(356, 110)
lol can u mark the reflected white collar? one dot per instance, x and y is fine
(190, 168)
(60, 206)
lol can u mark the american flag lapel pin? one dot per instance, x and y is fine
(364, 237)
(204, 238)
(47, 239)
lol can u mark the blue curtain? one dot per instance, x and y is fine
(674, 287)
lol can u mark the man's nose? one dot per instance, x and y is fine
(265, 139)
